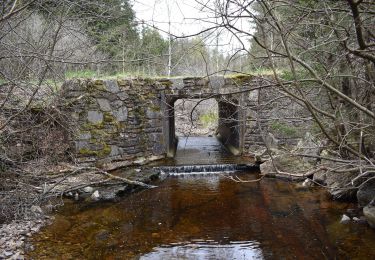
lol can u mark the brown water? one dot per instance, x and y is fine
(208, 217)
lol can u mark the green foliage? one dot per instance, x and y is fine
(283, 128)
(116, 30)
(3, 81)
(110, 24)
(152, 42)
(288, 75)
(208, 119)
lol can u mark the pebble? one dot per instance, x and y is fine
(95, 196)
(345, 219)
(13, 237)
(307, 183)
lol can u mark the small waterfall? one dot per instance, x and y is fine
(204, 169)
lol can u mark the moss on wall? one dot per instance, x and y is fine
(240, 79)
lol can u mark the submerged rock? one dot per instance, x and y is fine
(102, 235)
(286, 164)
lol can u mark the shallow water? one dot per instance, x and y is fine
(195, 150)
(208, 217)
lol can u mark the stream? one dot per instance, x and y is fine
(208, 216)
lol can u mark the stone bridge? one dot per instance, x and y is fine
(126, 121)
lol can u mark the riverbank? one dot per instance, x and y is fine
(79, 184)
(14, 235)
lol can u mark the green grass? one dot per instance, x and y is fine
(114, 75)
(265, 72)
(208, 119)
(288, 75)
(81, 74)
(3, 81)
(110, 75)
(284, 129)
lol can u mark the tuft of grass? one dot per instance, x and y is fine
(208, 119)
(284, 129)
(3, 81)
(80, 74)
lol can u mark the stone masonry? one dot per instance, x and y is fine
(120, 122)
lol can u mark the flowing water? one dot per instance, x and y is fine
(208, 217)
(203, 150)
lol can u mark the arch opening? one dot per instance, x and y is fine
(196, 117)
(215, 120)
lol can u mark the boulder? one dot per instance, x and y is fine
(340, 186)
(88, 189)
(320, 177)
(113, 192)
(366, 193)
(287, 164)
(369, 213)
(309, 146)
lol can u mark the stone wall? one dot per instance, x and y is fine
(272, 116)
(119, 122)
